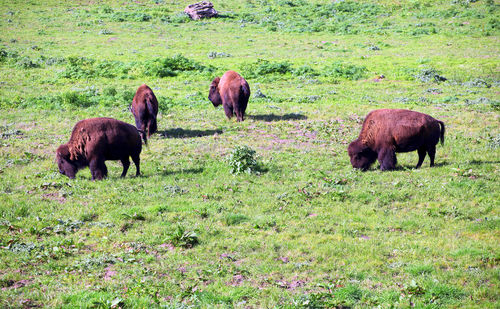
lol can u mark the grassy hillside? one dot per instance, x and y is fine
(303, 229)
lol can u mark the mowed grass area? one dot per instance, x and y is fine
(304, 230)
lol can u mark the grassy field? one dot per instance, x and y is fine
(303, 229)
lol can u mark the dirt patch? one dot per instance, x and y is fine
(54, 196)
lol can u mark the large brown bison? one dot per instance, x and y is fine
(232, 91)
(387, 131)
(144, 107)
(96, 140)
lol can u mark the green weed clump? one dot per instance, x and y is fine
(345, 70)
(27, 63)
(88, 68)
(6, 54)
(264, 67)
(342, 17)
(83, 98)
(242, 159)
(172, 66)
(429, 75)
(183, 237)
(130, 16)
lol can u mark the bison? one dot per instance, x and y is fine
(232, 91)
(387, 131)
(96, 140)
(144, 107)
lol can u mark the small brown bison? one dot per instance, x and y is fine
(232, 91)
(144, 107)
(96, 140)
(387, 131)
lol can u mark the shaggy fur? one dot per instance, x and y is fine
(96, 140)
(144, 107)
(232, 91)
(387, 131)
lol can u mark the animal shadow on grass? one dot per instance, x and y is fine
(225, 16)
(403, 167)
(479, 162)
(273, 117)
(181, 133)
(193, 170)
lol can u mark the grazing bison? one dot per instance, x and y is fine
(387, 131)
(232, 91)
(144, 107)
(96, 140)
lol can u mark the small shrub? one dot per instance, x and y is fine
(78, 67)
(429, 75)
(171, 66)
(127, 96)
(478, 82)
(184, 238)
(345, 70)
(494, 141)
(7, 54)
(53, 60)
(75, 98)
(265, 67)
(109, 91)
(105, 32)
(27, 63)
(242, 160)
(305, 70)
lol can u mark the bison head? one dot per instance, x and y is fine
(66, 166)
(214, 95)
(361, 156)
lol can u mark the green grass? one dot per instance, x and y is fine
(303, 229)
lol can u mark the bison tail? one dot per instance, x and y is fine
(144, 136)
(441, 136)
(151, 104)
(244, 96)
(245, 91)
(151, 108)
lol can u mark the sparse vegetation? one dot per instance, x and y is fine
(284, 222)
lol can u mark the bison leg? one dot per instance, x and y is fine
(228, 110)
(98, 169)
(432, 153)
(421, 156)
(387, 159)
(137, 162)
(126, 164)
(239, 115)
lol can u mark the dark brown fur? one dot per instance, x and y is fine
(233, 92)
(96, 140)
(144, 107)
(387, 131)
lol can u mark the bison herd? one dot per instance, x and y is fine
(96, 140)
